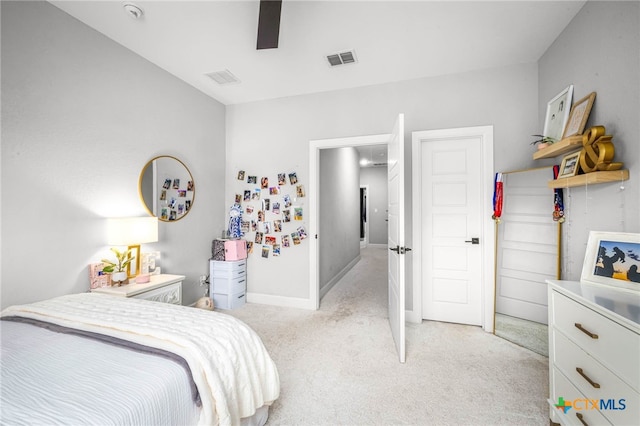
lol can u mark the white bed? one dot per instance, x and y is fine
(63, 363)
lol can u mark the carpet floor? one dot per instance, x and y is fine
(338, 365)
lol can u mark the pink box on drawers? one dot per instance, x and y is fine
(235, 250)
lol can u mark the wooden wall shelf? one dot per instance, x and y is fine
(572, 143)
(589, 179)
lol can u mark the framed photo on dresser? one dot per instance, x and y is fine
(612, 258)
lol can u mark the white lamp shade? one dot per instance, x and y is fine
(126, 231)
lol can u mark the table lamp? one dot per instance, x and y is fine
(131, 232)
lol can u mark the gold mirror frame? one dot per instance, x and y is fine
(166, 188)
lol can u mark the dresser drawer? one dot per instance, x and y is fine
(621, 403)
(228, 285)
(614, 346)
(580, 415)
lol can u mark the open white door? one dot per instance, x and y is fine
(395, 177)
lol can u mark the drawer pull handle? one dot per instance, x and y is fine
(584, 376)
(585, 331)
(581, 418)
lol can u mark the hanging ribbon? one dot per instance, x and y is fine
(558, 199)
(497, 197)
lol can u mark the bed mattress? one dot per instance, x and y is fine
(50, 377)
(53, 378)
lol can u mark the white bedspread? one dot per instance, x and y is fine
(50, 378)
(230, 366)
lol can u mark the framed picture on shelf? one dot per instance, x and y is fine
(569, 166)
(579, 115)
(613, 259)
(558, 114)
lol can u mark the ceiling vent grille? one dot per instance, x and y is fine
(223, 77)
(342, 58)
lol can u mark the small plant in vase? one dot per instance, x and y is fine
(543, 141)
(118, 269)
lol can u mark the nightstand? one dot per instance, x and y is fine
(161, 288)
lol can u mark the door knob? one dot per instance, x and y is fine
(396, 249)
(473, 241)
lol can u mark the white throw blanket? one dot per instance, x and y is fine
(230, 366)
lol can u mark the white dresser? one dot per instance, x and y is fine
(164, 288)
(228, 283)
(594, 354)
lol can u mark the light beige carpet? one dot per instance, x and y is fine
(338, 365)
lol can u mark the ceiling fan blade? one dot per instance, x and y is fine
(269, 24)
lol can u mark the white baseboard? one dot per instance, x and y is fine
(287, 302)
(324, 290)
(412, 316)
(295, 302)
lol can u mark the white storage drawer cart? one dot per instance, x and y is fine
(228, 283)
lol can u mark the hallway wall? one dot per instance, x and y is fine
(376, 178)
(339, 213)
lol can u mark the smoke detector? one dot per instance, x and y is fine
(133, 10)
(342, 58)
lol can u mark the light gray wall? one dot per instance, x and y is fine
(276, 133)
(81, 116)
(599, 51)
(339, 209)
(376, 178)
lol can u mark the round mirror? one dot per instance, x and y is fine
(166, 188)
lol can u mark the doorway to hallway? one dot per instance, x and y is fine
(396, 233)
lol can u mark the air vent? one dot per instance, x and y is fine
(223, 77)
(342, 58)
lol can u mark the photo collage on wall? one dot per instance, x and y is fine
(175, 198)
(272, 217)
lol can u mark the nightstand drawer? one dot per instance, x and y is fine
(165, 288)
(171, 293)
(596, 382)
(616, 347)
(580, 414)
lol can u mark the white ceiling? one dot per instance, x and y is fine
(393, 40)
(372, 156)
